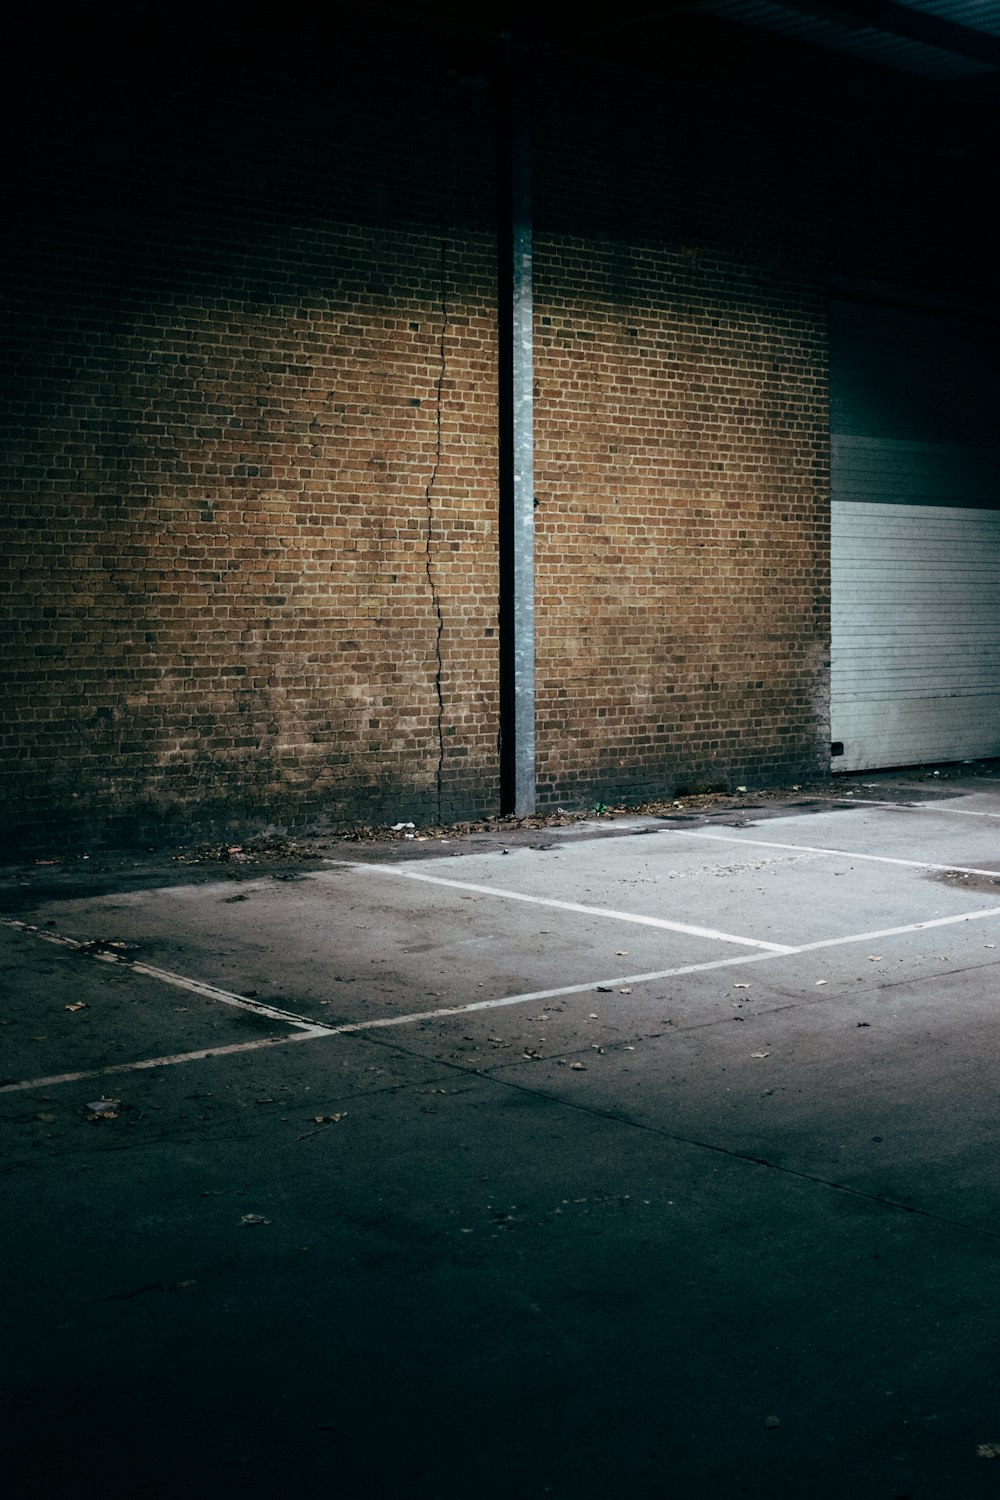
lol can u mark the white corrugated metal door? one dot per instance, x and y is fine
(915, 546)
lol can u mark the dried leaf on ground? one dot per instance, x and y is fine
(104, 1109)
(112, 947)
(266, 846)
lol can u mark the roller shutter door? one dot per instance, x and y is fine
(915, 544)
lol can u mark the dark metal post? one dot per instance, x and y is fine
(517, 468)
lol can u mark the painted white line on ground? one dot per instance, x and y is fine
(308, 1030)
(573, 906)
(963, 812)
(875, 802)
(878, 859)
(226, 997)
(305, 1035)
(648, 978)
(381, 1023)
(526, 998)
(167, 976)
(884, 932)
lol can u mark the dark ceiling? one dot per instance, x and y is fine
(927, 70)
(945, 39)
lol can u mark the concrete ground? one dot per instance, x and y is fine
(644, 1158)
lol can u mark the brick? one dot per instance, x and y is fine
(251, 509)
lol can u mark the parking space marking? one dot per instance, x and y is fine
(649, 978)
(167, 976)
(305, 1034)
(529, 996)
(878, 859)
(588, 911)
(962, 812)
(871, 937)
(304, 1028)
(309, 1031)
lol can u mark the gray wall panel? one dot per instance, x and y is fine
(915, 544)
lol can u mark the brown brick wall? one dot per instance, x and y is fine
(250, 525)
(682, 467)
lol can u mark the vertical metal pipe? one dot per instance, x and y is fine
(517, 453)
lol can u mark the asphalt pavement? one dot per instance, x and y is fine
(646, 1156)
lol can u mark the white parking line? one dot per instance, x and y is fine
(309, 1031)
(878, 859)
(167, 976)
(886, 932)
(623, 980)
(409, 873)
(306, 1029)
(526, 998)
(305, 1034)
(963, 812)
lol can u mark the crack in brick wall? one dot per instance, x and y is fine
(251, 516)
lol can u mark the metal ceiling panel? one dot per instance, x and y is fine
(823, 26)
(977, 15)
